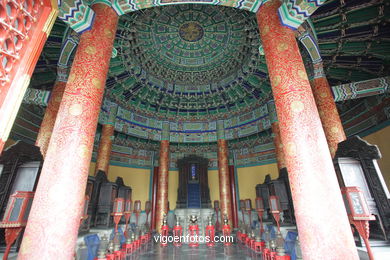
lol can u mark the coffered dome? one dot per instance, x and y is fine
(188, 60)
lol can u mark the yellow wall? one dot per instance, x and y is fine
(249, 177)
(382, 139)
(92, 168)
(139, 180)
(173, 185)
(213, 185)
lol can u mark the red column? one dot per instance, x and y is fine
(224, 181)
(327, 109)
(324, 230)
(54, 219)
(162, 186)
(105, 147)
(154, 198)
(233, 194)
(278, 146)
(49, 119)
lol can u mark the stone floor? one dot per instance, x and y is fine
(155, 251)
(235, 251)
(380, 253)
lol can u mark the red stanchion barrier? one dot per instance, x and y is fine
(226, 231)
(258, 245)
(164, 232)
(177, 234)
(193, 232)
(210, 233)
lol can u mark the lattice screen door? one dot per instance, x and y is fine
(24, 28)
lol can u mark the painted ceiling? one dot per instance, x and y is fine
(194, 64)
(188, 60)
(354, 39)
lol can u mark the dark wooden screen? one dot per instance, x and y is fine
(184, 166)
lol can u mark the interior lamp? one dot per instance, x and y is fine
(118, 211)
(275, 209)
(148, 208)
(85, 210)
(15, 217)
(216, 208)
(260, 211)
(127, 213)
(358, 213)
(137, 210)
(242, 208)
(248, 208)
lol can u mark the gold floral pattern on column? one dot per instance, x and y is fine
(105, 147)
(224, 181)
(314, 187)
(54, 220)
(162, 184)
(329, 115)
(49, 118)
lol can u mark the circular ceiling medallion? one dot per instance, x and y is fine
(191, 31)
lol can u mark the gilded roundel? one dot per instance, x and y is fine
(191, 31)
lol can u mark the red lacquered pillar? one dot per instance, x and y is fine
(162, 182)
(234, 194)
(315, 191)
(49, 118)
(223, 174)
(105, 147)
(327, 110)
(154, 197)
(54, 219)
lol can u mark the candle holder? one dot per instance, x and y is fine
(248, 208)
(15, 217)
(226, 231)
(137, 211)
(117, 211)
(148, 208)
(210, 232)
(85, 210)
(177, 233)
(260, 212)
(358, 213)
(216, 208)
(193, 231)
(164, 231)
(127, 213)
(242, 208)
(275, 209)
(258, 245)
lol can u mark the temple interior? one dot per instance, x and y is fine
(195, 129)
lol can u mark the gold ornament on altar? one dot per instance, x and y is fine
(193, 219)
(225, 219)
(210, 221)
(165, 221)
